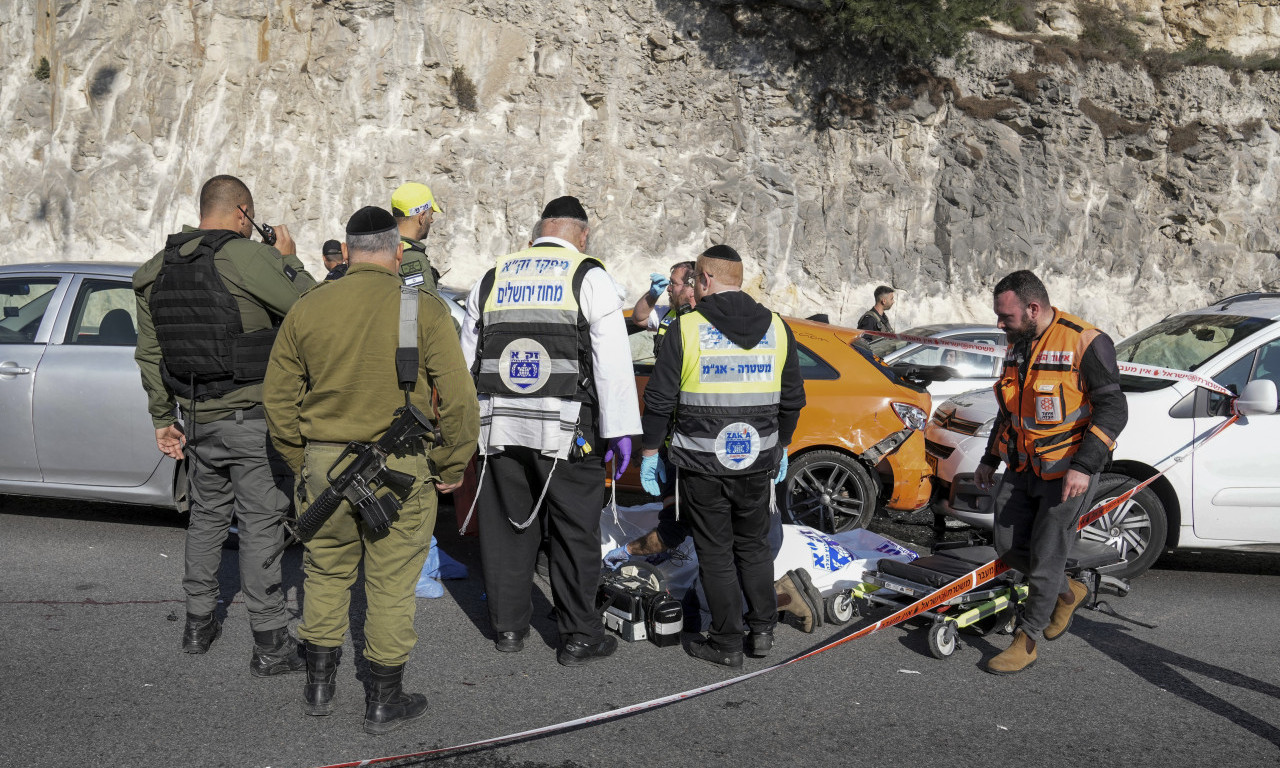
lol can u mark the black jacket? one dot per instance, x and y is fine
(872, 320)
(744, 321)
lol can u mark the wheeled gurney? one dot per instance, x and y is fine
(988, 608)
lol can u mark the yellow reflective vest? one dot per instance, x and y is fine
(726, 420)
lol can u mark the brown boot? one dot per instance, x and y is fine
(1068, 602)
(798, 598)
(1017, 657)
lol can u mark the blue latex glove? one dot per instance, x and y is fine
(782, 468)
(621, 448)
(616, 557)
(657, 284)
(652, 474)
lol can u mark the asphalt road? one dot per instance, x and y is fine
(90, 609)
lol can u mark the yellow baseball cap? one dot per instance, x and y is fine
(412, 198)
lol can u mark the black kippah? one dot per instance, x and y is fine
(566, 207)
(370, 220)
(331, 248)
(722, 252)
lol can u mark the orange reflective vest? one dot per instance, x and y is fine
(1047, 416)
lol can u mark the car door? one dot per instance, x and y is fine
(91, 420)
(1236, 475)
(27, 301)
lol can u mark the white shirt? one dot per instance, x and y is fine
(654, 320)
(601, 302)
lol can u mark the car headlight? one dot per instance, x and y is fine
(985, 429)
(912, 417)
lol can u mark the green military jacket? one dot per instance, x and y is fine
(332, 373)
(256, 276)
(415, 262)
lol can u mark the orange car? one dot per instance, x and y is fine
(862, 424)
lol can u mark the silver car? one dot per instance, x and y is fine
(944, 372)
(72, 409)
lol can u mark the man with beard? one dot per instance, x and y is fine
(727, 388)
(1061, 409)
(650, 315)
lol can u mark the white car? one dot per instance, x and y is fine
(1222, 494)
(942, 371)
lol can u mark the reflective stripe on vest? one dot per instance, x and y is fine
(531, 326)
(1047, 415)
(727, 410)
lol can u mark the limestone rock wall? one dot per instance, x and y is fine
(680, 123)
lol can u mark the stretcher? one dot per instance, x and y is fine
(989, 608)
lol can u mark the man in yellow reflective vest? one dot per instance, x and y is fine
(726, 387)
(1061, 409)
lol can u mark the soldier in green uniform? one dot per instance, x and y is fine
(329, 383)
(208, 308)
(414, 208)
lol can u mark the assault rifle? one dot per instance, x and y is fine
(365, 475)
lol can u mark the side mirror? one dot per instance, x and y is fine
(1259, 398)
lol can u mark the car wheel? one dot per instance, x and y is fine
(1136, 529)
(829, 491)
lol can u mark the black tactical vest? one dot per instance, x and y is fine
(206, 352)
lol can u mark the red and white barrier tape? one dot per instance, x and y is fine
(972, 580)
(1133, 369)
(1171, 374)
(966, 346)
(969, 581)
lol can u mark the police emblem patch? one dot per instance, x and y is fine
(524, 366)
(738, 445)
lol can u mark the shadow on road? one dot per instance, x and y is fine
(1166, 669)
(95, 511)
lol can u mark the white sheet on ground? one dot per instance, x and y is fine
(834, 562)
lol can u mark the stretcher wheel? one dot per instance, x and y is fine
(1010, 623)
(838, 608)
(942, 639)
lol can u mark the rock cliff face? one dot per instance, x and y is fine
(679, 123)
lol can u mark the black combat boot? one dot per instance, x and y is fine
(322, 674)
(387, 706)
(275, 652)
(200, 633)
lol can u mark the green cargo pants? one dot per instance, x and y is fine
(392, 562)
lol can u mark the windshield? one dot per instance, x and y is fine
(888, 372)
(883, 347)
(1185, 342)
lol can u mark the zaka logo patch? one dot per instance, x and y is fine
(524, 366)
(738, 445)
(828, 554)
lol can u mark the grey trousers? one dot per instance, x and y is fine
(234, 470)
(1034, 532)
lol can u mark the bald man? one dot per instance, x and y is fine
(208, 308)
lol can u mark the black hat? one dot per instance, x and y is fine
(370, 220)
(722, 252)
(566, 207)
(331, 248)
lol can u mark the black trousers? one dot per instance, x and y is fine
(575, 496)
(729, 519)
(1034, 531)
